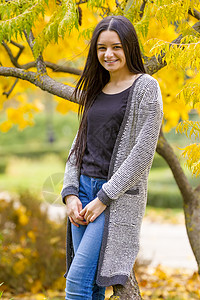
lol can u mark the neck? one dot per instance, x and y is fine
(118, 77)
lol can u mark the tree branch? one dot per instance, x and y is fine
(105, 11)
(195, 13)
(13, 59)
(21, 48)
(118, 4)
(142, 7)
(40, 65)
(43, 81)
(153, 65)
(52, 66)
(61, 68)
(11, 89)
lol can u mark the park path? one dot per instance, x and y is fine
(166, 244)
(161, 243)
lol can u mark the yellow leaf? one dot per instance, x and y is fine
(37, 285)
(24, 123)
(23, 219)
(31, 235)
(65, 106)
(40, 297)
(5, 126)
(21, 212)
(20, 265)
(14, 115)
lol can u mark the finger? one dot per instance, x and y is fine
(82, 212)
(92, 218)
(81, 222)
(81, 218)
(89, 217)
(72, 221)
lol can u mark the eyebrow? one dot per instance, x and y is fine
(112, 44)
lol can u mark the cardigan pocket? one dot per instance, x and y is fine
(133, 191)
(125, 210)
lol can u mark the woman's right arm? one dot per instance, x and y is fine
(70, 190)
(71, 176)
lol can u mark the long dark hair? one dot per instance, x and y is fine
(95, 77)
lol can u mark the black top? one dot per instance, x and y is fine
(103, 122)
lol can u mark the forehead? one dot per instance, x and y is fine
(108, 37)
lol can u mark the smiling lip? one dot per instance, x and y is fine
(110, 62)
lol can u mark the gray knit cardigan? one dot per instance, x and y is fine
(125, 192)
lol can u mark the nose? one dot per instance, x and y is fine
(108, 53)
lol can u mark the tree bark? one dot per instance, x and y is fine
(128, 292)
(192, 222)
(191, 197)
(44, 82)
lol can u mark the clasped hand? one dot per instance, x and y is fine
(89, 213)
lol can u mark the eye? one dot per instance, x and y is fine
(101, 48)
(117, 47)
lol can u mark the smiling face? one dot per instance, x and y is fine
(110, 52)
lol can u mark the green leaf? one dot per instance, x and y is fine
(128, 5)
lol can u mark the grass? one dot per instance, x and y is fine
(162, 188)
(30, 173)
(62, 129)
(1, 292)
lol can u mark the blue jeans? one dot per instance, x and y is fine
(87, 239)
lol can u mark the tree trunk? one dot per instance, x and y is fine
(191, 197)
(128, 292)
(192, 221)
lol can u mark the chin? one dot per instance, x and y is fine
(114, 67)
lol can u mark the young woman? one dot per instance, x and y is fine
(105, 181)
